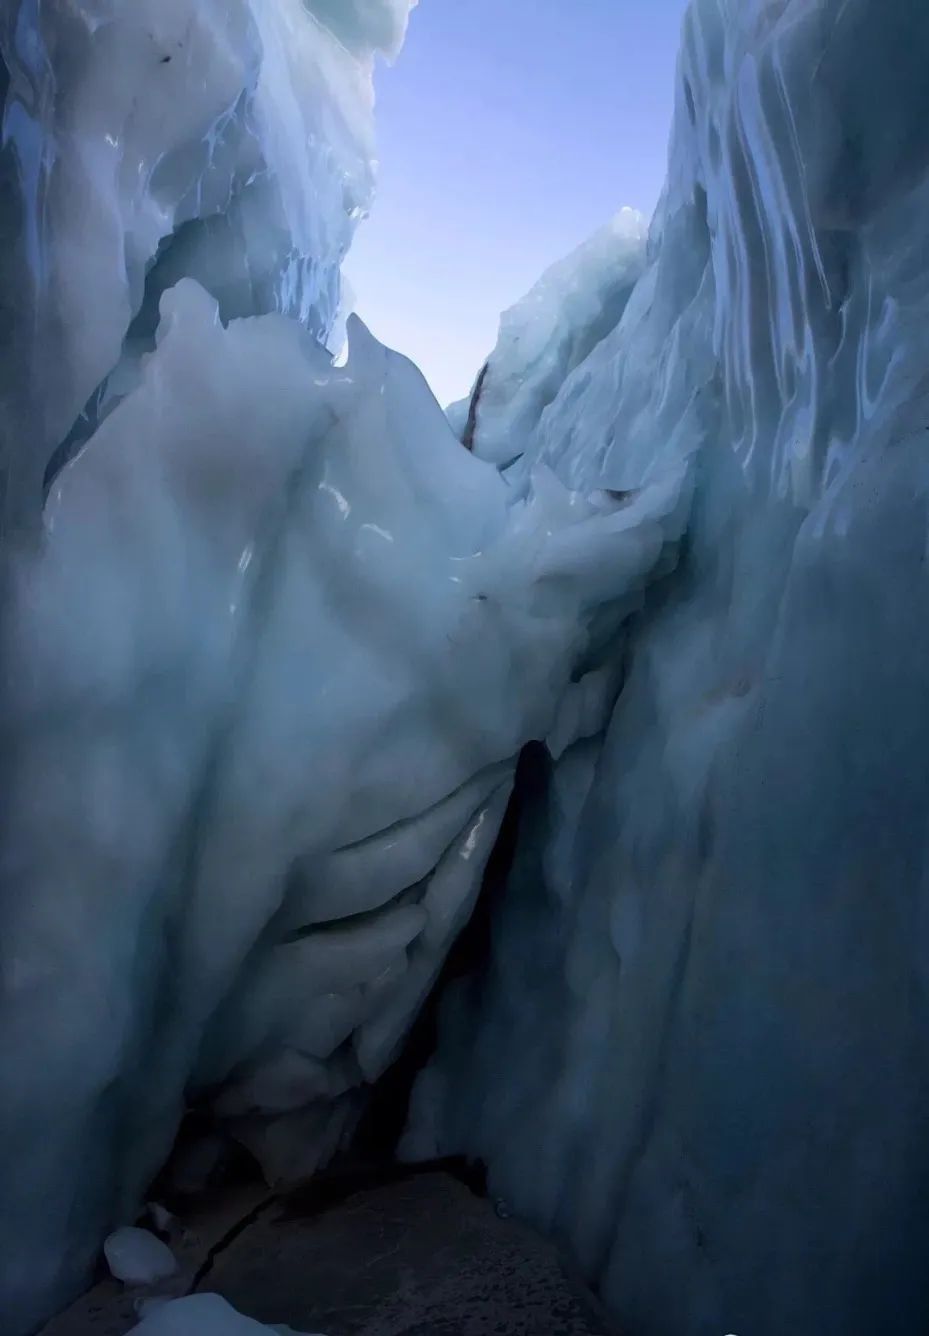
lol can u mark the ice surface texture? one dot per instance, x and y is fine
(546, 335)
(268, 678)
(228, 140)
(272, 648)
(701, 1045)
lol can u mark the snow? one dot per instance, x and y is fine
(137, 1257)
(203, 1315)
(705, 964)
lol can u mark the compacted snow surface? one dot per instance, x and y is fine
(273, 640)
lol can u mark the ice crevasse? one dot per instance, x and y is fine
(272, 641)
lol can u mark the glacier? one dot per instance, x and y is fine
(275, 630)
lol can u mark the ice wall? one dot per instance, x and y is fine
(226, 140)
(575, 304)
(267, 680)
(698, 1053)
(274, 642)
(143, 144)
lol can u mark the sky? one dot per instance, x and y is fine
(508, 131)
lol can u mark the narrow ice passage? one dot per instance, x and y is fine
(272, 642)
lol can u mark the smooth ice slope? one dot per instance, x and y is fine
(700, 1051)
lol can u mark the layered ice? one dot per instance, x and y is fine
(698, 1054)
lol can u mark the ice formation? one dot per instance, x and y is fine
(226, 140)
(138, 1257)
(274, 642)
(698, 1054)
(204, 1315)
(574, 305)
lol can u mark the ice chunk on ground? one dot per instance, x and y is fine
(204, 1315)
(137, 1257)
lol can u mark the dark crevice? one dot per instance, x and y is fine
(331, 1189)
(140, 333)
(411, 894)
(467, 439)
(335, 926)
(385, 1116)
(228, 1239)
(408, 823)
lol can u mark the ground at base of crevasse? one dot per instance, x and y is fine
(420, 1257)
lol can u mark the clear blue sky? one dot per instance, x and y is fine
(508, 130)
